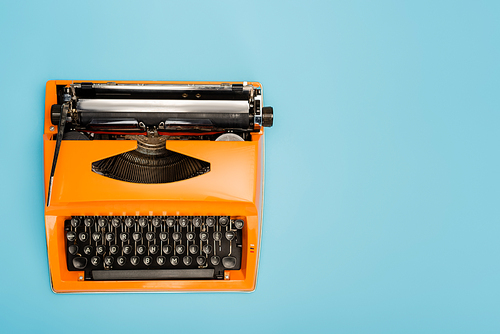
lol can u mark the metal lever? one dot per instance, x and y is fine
(60, 133)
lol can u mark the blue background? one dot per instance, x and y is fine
(382, 182)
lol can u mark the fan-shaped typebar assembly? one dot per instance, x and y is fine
(151, 163)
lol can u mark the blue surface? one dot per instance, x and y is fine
(382, 183)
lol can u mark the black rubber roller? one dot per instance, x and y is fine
(267, 116)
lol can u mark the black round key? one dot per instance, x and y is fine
(141, 249)
(116, 222)
(197, 222)
(96, 236)
(137, 236)
(73, 249)
(123, 236)
(229, 262)
(210, 221)
(95, 260)
(129, 222)
(207, 249)
(163, 236)
(134, 260)
(190, 236)
(230, 235)
(127, 249)
(75, 222)
(215, 260)
(217, 236)
(88, 221)
(200, 260)
(79, 262)
(143, 222)
(183, 222)
(203, 236)
(174, 260)
(170, 222)
(176, 236)
(238, 223)
(110, 236)
(179, 249)
(121, 260)
(71, 235)
(193, 249)
(108, 260)
(156, 222)
(187, 260)
(102, 222)
(101, 249)
(150, 236)
(114, 249)
(167, 249)
(83, 236)
(153, 249)
(147, 260)
(223, 221)
(88, 249)
(161, 260)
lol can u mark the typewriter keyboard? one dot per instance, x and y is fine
(153, 248)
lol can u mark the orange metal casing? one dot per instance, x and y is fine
(233, 187)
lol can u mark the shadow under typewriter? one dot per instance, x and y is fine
(151, 163)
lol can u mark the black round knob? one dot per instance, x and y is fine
(267, 116)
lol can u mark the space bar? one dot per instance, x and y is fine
(160, 274)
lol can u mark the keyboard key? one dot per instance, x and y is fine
(147, 260)
(143, 222)
(96, 236)
(217, 236)
(163, 236)
(176, 236)
(229, 262)
(193, 249)
(79, 262)
(137, 236)
(197, 222)
(170, 222)
(123, 236)
(183, 222)
(174, 260)
(73, 249)
(161, 260)
(153, 249)
(88, 250)
(210, 221)
(201, 260)
(71, 235)
(207, 249)
(215, 260)
(238, 223)
(75, 222)
(187, 260)
(83, 236)
(190, 236)
(114, 249)
(230, 235)
(116, 222)
(203, 236)
(179, 249)
(156, 222)
(108, 260)
(110, 236)
(95, 260)
(150, 236)
(127, 249)
(167, 249)
(121, 260)
(134, 260)
(102, 222)
(88, 222)
(141, 249)
(129, 222)
(223, 221)
(100, 249)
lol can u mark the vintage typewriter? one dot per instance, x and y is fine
(154, 186)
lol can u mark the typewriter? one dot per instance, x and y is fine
(153, 186)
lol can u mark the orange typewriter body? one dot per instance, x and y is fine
(233, 187)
